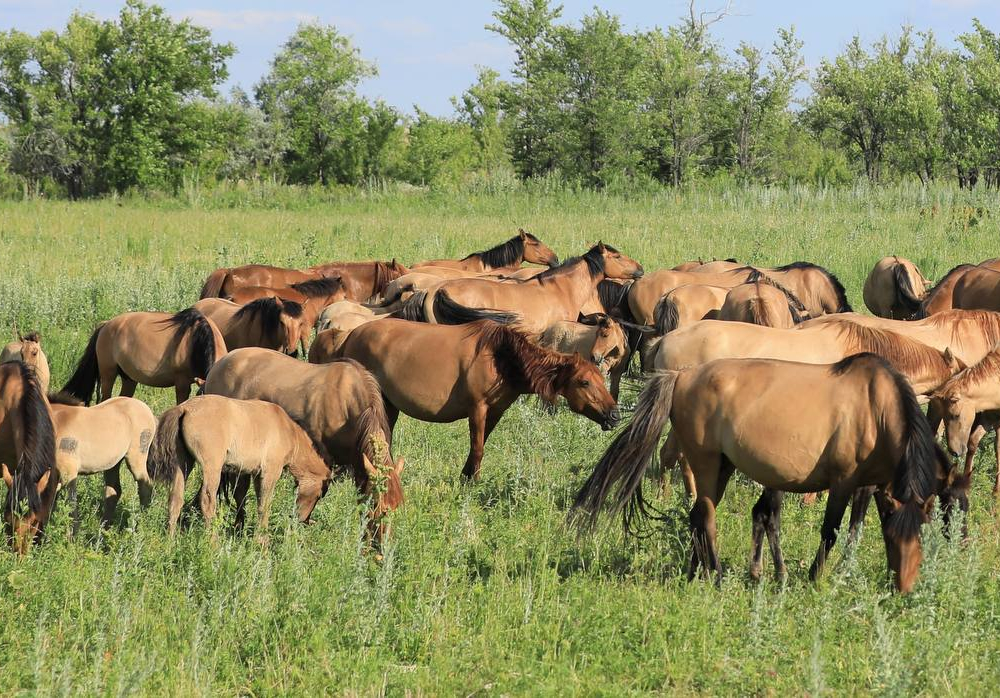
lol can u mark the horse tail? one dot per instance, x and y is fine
(413, 308)
(666, 315)
(85, 378)
(448, 312)
(169, 453)
(760, 313)
(203, 349)
(212, 288)
(38, 441)
(905, 294)
(627, 458)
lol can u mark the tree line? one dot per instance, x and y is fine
(132, 103)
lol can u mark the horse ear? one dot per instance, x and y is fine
(600, 245)
(949, 357)
(43, 481)
(928, 505)
(369, 468)
(7, 477)
(399, 466)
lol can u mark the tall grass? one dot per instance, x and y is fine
(482, 589)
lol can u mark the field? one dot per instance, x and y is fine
(483, 589)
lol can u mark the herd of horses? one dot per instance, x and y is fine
(763, 370)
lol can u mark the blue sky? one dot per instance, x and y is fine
(427, 51)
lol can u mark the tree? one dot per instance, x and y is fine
(973, 117)
(439, 151)
(482, 108)
(310, 92)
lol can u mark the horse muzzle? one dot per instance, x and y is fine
(637, 274)
(611, 420)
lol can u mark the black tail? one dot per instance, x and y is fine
(169, 453)
(203, 354)
(38, 443)
(666, 316)
(905, 295)
(85, 378)
(448, 312)
(413, 308)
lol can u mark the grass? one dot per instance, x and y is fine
(483, 589)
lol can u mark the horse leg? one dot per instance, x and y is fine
(211, 476)
(767, 520)
(108, 375)
(175, 500)
(836, 504)
(711, 480)
(182, 391)
(136, 460)
(240, 492)
(264, 485)
(477, 441)
(392, 416)
(128, 388)
(860, 502)
(773, 528)
(71, 498)
(670, 452)
(112, 493)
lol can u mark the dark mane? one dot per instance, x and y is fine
(32, 337)
(843, 306)
(613, 296)
(38, 451)
(202, 338)
(291, 308)
(929, 296)
(593, 258)
(265, 311)
(506, 254)
(373, 425)
(319, 288)
(757, 276)
(523, 364)
(64, 398)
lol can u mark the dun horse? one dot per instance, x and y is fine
(762, 301)
(857, 425)
(91, 440)
(446, 373)
(338, 404)
(27, 455)
(155, 349)
(895, 288)
(596, 337)
(249, 438)
(523, 247)
(28, 348)
(269, 323)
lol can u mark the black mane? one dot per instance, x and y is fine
(316, 288)
(505, 254)
(593, 257)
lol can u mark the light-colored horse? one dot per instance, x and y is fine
(598, 338)
(28, 348)
(895, 288)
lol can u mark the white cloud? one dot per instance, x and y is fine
(406, 27)
(239, 20)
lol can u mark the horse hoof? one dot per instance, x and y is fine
(755, 571)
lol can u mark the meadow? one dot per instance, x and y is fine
(483, 588)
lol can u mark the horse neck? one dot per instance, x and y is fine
(577, 283)
(305, 463)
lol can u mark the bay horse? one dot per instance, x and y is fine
(556, 294)
(361, 280)
(858, 424)
(27, 455)
(92, 440)
(763, 302)
(509, 255)
(269, 323)
(339, 405)
(155, 349)
(243, 437)
(895, 288)
(444, 373)
(598, 338)
(28, 348)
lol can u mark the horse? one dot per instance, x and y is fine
(156, 349)
(270, 323)
(327, 344)
(557, 294)
(442, 373)
(686, 304)
(858, 424)
(339, 405)
(713, 266)
(333, 315)
(246, 437)
(762, 302)
(978, 289)
(598, 338)
(313, 295)
(27, 455)
(895, 288)
(91, 440)
(361, 280)
(523, 247)
(28, 348)
(941, 297)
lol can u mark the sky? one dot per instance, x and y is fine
(427, 52)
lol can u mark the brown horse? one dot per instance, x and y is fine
(91, 440)
(269, 323)
(940, 297)
(338, 404)
(156, 349)
(27, 455)
(313, 295)
(597, 338)
(978, 289)
(858, 424)
(762, 302)
(28, 348)
(557, 294)
(895, 288)
(523, 247)
(246, 437)
(440, 373)
(362, 280)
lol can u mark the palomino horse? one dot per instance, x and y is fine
(978, 289)
(338, 404)
(313, 295)
(557, 294)
(248, 437)
(269, 323)
(762, 302)
(895, 288)
(440, 373)
(362, 280)
(28, 348)
(27, 455)
(858, 424)
(941, 296)
(155, 349)
(598, 338)
(91, 440)
(523, 247)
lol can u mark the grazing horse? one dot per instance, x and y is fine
(269, 323)
(557, 294)
(599, 338)
(362, 280)
(858, 424)
(27, 455)
(28, 348)
(91, 440)
(156, 349)
(340, 406)
(523, 247)
(441, 373)
(895, 288)
(246, 437)
(978, 289)
(762, 302)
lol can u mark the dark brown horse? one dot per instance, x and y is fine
(362, 280)
(27, 454)
(523, 247)
(443, 373)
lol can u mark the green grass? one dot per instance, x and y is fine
(483, 589)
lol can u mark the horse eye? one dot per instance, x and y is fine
(585, 383)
